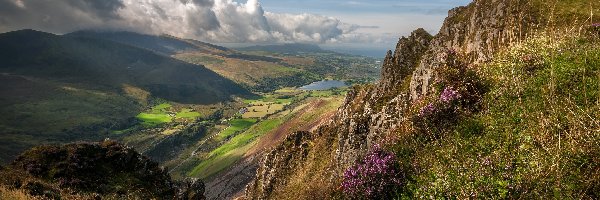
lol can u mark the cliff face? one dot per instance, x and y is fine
(477, 30)
(373, 110)
(280, 162)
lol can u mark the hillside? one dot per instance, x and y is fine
(110, 65)
(59, 89)
(90, 171)
(166, 45)
(255, 72)
(501, 103)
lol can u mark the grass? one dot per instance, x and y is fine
(187, 114)
(161, 113)
(261, 110)
(152, 118)
(230, 152)
(199, 59)
(269, 104)
(538, 135)
(161, 107)
(236, 125)
(15, 194)
(158, 115)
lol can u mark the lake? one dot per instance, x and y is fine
(324, 85)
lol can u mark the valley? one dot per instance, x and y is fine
(222, 145)
(126, 100)
(143, 91)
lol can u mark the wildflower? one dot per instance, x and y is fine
(427, 110)
(449, 94)
(375, 175)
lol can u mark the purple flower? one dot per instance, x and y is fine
(374, 176)
(596, 24)
(427, 110)
(449, 95)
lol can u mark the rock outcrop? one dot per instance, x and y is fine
(94, 170)
(278, 163)
(477, 30)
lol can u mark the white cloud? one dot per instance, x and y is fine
(209, 20)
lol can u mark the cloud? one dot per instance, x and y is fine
(209, 20)
(57, 16)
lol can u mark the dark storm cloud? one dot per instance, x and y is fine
(56, 15)
(100, 8)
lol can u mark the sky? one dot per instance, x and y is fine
(335, 23)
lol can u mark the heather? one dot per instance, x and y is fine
(375, 177)
(458, 95)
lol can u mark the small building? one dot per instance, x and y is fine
(243, 111)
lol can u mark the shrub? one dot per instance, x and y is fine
(377, 176)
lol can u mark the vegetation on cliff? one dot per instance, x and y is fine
(92, 170)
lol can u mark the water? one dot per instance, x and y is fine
(324, 85)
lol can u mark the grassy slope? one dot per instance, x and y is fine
(230, 152)
(262, 135)
(537, 136)
(38, 111)
(235, 126)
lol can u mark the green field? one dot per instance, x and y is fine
(187, 114)
(161, 107)
(236, 125)
(234, 149)
(162, 113)
(158, 118)
(261, 110)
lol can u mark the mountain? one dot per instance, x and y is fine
(258, 73)
(89, 171)
(293, 48)
(165, 44)
(57, 89)
(501, 103)
(98, 63)
(168, 45)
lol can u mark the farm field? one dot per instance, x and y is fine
(164, 113)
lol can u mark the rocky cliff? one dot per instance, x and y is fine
(477, 31)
